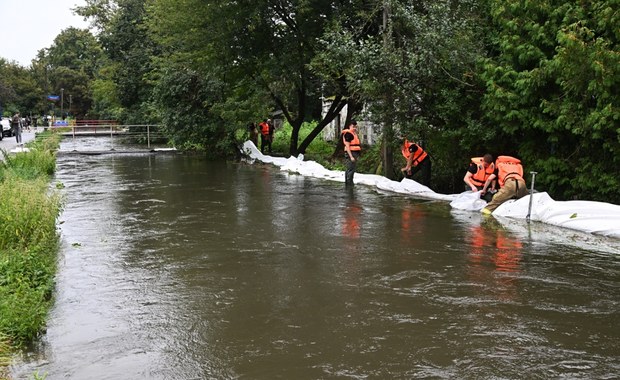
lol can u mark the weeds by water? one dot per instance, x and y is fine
(28, 243)
(5, 359)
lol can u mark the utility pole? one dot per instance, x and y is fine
(62, 103)
(70, 97)
(388, 129)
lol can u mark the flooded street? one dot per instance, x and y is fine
(173, 267)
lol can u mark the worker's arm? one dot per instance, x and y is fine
(468, 181)
(487, 183)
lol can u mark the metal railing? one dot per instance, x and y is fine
(131, 133)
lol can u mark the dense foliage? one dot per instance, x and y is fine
(553, 93)
(538, 79)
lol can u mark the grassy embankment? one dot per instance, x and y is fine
(28, 244)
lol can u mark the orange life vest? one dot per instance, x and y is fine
(480, 178)
(264, 128)
(354, 145)
(418, 155)
(508, 167)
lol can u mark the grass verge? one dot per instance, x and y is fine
(28, 244)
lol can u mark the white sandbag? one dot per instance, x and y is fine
(469, 201)
(587, 216)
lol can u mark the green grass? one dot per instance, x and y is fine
(319, 150)
(318, 146)
(39, 162)
(28, 243)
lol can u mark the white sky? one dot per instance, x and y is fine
(27, 26)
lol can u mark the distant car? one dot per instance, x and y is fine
(6, 128)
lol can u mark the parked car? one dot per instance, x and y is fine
(6, 128)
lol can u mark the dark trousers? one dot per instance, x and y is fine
(425, 168)
(265, 141)
(487, 197)
(18, 134)
(351, 165)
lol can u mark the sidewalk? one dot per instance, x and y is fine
(9, 144)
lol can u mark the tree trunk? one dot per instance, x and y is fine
(388, 128)
(333, 111)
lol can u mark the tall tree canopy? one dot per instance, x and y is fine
(18, 89)
(68, 67)
(553, 92)
(258, 49)
(414, 65)
(123, 33)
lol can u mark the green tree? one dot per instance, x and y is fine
(553, 93)
(106, 103)
(413, 65)
(76, 49)
(260, 49)
(18, 89)
(123, 34)
(185, 100)
(67, 68)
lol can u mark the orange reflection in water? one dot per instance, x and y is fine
(505, 251)
(508, 253)
(412, 223)
(351, 222)
(494, 258)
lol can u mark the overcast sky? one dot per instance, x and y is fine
(28, 26)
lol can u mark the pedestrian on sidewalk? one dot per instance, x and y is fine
(16, 127)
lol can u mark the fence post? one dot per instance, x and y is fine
(529, 209)
(148, 136)
(111, 138)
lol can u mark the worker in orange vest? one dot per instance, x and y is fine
(352, 151)
(480, 168)
(509, 173)
(266, 135)
(417, 160)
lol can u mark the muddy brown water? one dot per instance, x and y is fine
(173, 267)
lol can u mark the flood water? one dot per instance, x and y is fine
(173, 267)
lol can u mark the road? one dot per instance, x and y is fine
(8, 144)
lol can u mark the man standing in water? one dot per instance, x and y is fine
(352, 150)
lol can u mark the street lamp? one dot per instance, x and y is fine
(62, 103)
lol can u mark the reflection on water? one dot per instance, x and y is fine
(496, 254)
(177, 268)
(351, 216)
